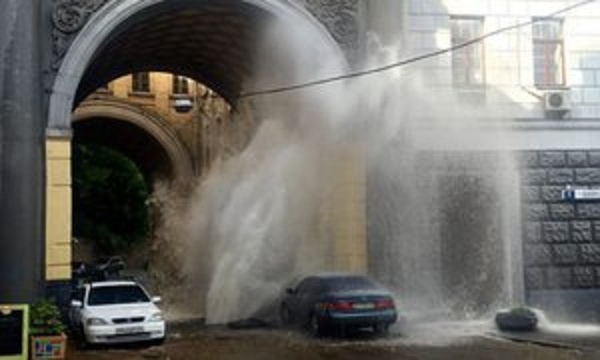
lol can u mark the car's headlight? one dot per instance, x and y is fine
(156, 317)
(96, 322)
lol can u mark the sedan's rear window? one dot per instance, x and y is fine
(123, 294)
(349, 283)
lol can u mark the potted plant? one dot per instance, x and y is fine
(46, 329)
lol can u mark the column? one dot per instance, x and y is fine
(349, 211)
(21, 152)
(58, 209)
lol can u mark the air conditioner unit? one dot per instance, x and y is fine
(557, 101)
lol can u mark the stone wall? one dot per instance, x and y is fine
(561, 240)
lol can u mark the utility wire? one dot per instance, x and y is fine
(413, 59)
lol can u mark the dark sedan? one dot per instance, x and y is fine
(338, 301)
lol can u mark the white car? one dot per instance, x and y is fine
(117, 312)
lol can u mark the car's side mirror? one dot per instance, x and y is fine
(76, 304)
(290, 291)
(156, 299)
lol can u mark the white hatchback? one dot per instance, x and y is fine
(117, 312)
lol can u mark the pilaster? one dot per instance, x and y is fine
(21, 152)
(58, 209)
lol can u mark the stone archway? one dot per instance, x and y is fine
(117, 14)
(180, 162)
(120, 38)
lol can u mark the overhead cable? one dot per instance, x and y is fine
(413, 59)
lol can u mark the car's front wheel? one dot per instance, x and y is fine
(81, 338)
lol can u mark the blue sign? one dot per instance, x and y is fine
(571, 194)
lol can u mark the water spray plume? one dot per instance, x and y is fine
(441, 225)
(397, 64)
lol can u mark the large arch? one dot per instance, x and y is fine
(180, 164)
(117, 14)
(127, 30)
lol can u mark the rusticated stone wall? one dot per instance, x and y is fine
(561, 239)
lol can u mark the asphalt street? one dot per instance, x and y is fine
(433, 342)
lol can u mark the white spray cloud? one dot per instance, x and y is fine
(265, 217)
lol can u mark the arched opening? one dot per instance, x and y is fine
(212, 42)
(111, 208)
(140, 133)
(121, 149)
(128, 139)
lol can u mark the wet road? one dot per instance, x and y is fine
(223, 344)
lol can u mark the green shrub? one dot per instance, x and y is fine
(109, 199)
(45, 318)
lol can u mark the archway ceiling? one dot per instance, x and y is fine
(211, 42)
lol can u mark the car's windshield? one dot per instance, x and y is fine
(118, 294)
(348, 283)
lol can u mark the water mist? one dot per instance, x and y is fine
(441, 202)
(261, 219)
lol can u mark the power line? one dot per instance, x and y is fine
(413, 59)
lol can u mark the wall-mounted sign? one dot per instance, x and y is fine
(14, 330)
(572, 194)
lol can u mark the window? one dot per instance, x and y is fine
(180, 85)
(118, 294)
(548, 52)
(467, 62)
(140, 82)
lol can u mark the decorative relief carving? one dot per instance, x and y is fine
(340, 18)
(68, 17)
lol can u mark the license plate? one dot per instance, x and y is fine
(130, 330)
(363, 306)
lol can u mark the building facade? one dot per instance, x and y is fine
(55, 54)
(522, 67)
(539, 75)
(202, 121)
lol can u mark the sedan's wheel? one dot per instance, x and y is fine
(285, 316)
(381, 328)
(314, 327)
